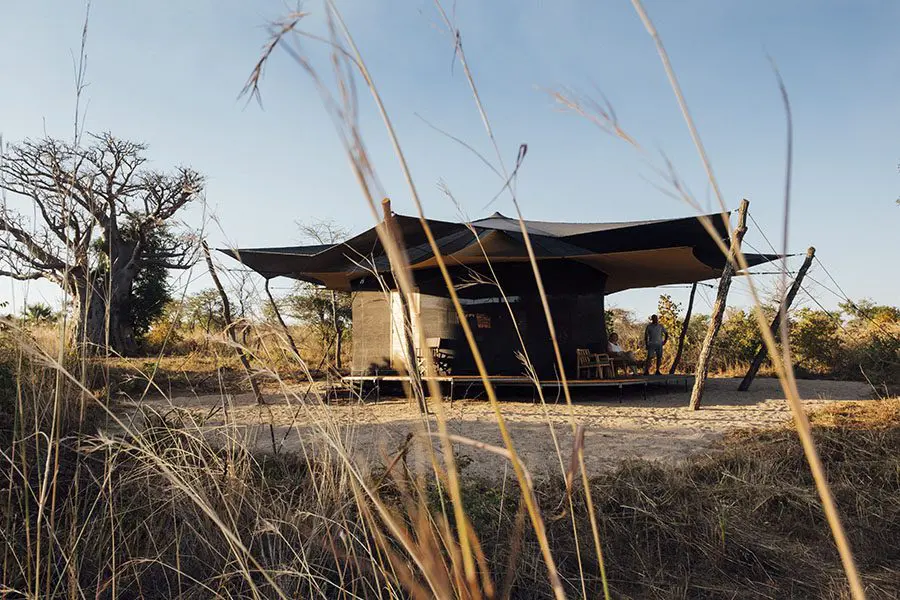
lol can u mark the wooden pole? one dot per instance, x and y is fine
(776, 322)
(284, 326)
(409, 343)
(229, 327)
(684, 330)
(715, 321)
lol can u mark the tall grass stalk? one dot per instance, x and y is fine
(783, 367)
(528, 497)
(458, 49)
(362, 171)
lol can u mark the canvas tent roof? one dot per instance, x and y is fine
(573, 257)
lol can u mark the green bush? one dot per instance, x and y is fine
(815, 341)
(738, 339)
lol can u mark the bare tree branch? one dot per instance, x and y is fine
(99, 213)
(22, 276)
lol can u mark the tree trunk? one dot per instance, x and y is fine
(121, 331)
(715, 321)
(90, 315)
(102, 309)
(229, 327)
(121, 328)
(338, 348)
(284, 327)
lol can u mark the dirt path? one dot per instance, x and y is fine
(658, 428)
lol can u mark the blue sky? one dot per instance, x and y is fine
(169, 73)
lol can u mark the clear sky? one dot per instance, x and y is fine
(169, 72)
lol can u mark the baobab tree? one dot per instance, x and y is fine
(100, 217)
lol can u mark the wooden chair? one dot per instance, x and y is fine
(604, 365)
(588, 363)
(584, 363)
(443, 353)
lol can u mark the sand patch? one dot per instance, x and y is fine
(659, 428)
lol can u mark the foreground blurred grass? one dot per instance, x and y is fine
(160, 512)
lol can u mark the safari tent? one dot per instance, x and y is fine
(580, 264)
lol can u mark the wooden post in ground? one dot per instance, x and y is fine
(390, 228)
(412, 367)
(684, 330)
(229, 326)
(776, 322)
(284, 327)
(715, 321)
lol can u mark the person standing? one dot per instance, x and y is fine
(655, 337)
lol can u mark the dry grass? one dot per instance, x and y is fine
(160, 512)
(744, 523)
(884, 414)
(198, 372)
(192, 361)
(740, 522)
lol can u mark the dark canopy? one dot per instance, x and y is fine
(573, 257)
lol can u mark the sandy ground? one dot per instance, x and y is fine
(660, 427)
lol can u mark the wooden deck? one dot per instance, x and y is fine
(642, 382)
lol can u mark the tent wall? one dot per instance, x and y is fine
(378, 338)
(437, 317)
(371, 333)
(579, 321)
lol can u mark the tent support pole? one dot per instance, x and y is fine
(684, 330)
(412, 367)
(718, 311)
(776, 322)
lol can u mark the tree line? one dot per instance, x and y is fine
(107, 228)
(860, 340)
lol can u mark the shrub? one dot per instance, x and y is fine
(815, 341)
